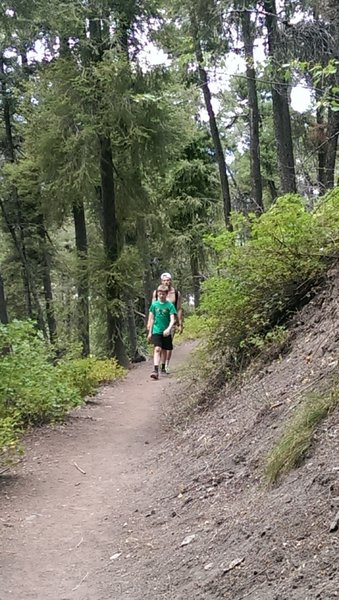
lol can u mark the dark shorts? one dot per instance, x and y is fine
(164, 342)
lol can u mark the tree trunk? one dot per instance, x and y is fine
(333, 116)
(82, 276)
(30, 281)
(272, 189)
(46, 280)
(280, 101)
(132, 332)
(3, 304)
(254, 111)
(9, 153)
(115, 345)
(332, 145)
(320, 141)
(219, 153)
(195, 276)
(114, 319)
(145, 254)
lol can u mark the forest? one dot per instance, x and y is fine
(141, 136)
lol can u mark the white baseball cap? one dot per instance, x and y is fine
(166, 276)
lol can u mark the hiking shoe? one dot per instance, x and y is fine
(155, 375)
(163, 369)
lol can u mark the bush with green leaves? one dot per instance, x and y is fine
(85, 374)
(33, 390)
(267, 268)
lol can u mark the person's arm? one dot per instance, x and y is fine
(150, 322)
(171, 324)
(180, 314)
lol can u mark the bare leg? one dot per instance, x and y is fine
(163, 356)
(157, 355)
(156, 361)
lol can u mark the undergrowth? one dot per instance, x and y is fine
(33, 390)
(268, 266)
(297, 438)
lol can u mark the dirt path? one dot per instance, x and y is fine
(62, 531)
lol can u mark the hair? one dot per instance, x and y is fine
(162, 288)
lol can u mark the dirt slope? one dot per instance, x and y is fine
(250, 541)
(181, 515)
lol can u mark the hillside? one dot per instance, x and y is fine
(250, 540)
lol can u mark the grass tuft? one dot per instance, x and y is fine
(290, 450)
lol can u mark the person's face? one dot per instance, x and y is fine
(167, 282)
(162, 296)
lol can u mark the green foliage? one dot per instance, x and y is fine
(291, 448)
(85, 374)
(264, 278)
(33, 390)
(196, 328)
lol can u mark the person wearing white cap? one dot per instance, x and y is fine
(173, 296)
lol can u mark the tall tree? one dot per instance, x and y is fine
(280, 100)
(254, 115)
(332, 11)
(82, 275)
(191, 194)
(219, 152)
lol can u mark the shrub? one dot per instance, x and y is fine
(85, 374)
(267, 268)
(33, 390)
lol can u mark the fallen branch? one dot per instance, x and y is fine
(79, 584)
(79, 468)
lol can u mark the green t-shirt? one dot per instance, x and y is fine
(162, 312)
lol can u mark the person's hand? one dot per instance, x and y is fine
(166, 332)
(149, 337)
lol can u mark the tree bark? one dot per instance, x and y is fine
(254, 111)
(320, 141)
(114, 320)
(272, 189)
(30, 282)
(219, 152)
(46, 280)
(132, 332)
(333, 116)
(332, 139)
(82, 276)
(331, 152)
(3, 304)
(195, 276)
(280, 101)
(9, 153)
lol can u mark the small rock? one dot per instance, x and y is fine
(233, 564)
(208, 566)
(115, 556)
(187, 540)
(335, 523)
